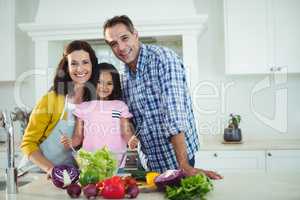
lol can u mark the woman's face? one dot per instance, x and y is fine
(80, 66)
(105, 85)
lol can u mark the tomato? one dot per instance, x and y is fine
(100, 186)
(129, 181)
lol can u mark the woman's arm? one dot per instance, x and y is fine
(39, 159)
(36, 131)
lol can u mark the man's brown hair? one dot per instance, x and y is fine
(122, 19)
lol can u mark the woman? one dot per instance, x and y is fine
(53, 116)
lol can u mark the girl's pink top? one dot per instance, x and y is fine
(102, 124)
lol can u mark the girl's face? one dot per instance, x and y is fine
(79, 66)
(105, 85)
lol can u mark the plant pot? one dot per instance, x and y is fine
(232, 134)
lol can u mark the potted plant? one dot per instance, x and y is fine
(233, 133)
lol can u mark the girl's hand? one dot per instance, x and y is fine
(66, 141)
(133, 142)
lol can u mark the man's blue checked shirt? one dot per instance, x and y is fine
(157, 95)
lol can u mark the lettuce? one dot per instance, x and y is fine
(96, 166)
(193, 187)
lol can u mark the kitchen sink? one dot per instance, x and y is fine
(21, 181)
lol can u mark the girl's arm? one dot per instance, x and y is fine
(128, 133)
(126, 129)
(77, 137)
(78, 133)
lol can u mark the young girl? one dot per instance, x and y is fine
(103, 122)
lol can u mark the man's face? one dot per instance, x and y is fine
(123, 43)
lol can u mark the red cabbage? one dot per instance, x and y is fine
(169, 178)
(64, 175)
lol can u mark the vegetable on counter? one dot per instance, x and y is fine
(74, 190)
(64, 175)
(150, 176)
(132, 191)
(193, 187)
(169, 178)
(113, 188)
(96, 166)
(118, 187)
(138, 174)
(89, 176)
(90, 191)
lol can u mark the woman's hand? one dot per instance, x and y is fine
(133, 142)
(49, 173)
(66, 141)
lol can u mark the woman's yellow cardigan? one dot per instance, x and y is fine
(43, 119)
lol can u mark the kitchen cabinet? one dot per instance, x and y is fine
(282, 160)
(7, 40)
(246, 161)
(231, 161)
(262, 36)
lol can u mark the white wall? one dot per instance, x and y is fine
(236, 98)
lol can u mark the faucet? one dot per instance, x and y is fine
(11, 170)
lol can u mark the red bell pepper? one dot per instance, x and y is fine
(113, 188)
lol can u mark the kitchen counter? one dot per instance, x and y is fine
(250, 142)
(234, 186)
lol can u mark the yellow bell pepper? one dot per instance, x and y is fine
(150, 176)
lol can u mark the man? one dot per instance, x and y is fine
(155, 89)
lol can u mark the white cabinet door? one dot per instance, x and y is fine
(283, 160)
(287, 34)
(246, 36)
(235, 161)
(262, 36)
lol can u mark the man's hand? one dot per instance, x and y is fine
(191, 171)
(178, 142)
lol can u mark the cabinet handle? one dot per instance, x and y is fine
(278, 69)
(215, 155)
(269, 154)
(272, 69)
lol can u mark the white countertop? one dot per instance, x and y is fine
(234, 186)
(215, 142)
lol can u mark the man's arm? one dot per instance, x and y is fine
(178, 142)
(173, 94)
